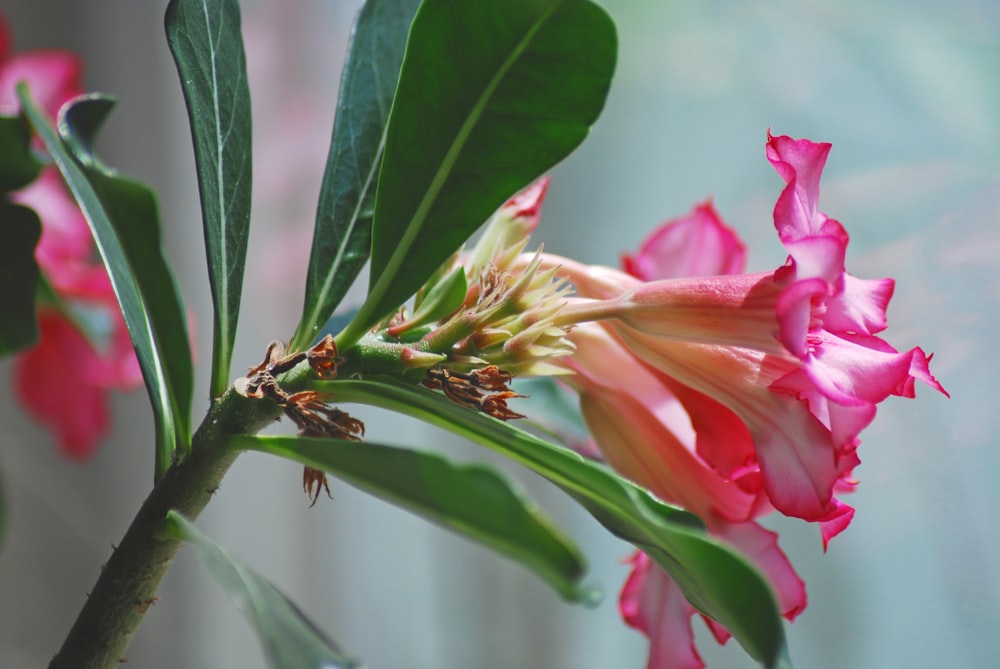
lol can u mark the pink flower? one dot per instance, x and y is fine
(654, 430)
(63, 379)
(792, 352)
(734, 394)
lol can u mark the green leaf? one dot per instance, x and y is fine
(123, 278)
(19, 274)
(714, 578)
(473, 500)
(18, 166)
(289, 639)
(204, 37)
(490, 95)
(342, 238)
(132, 209)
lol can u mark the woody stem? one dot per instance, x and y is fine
(128, 582)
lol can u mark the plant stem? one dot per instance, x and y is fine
(128, 582)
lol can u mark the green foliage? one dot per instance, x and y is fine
(136, 311)
(133, 212)
(289, 639)
(490, 95)
(342, 238)
(715, 579)
(204, 37)
(18, 167)
(19, 274)
(473, 500)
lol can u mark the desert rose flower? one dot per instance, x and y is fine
(793, 353)
(83, 347)
(733, 394)
(654, 430)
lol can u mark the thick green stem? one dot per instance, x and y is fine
(128, 582)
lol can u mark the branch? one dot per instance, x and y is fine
(128, 582)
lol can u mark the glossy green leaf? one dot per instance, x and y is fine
(19, 274)
(123, 277)
(18, 167)
(715, 579)
(342, 238)
(473, 500)
(132, 209)
(289, 639)
(204, 37)
(490, 95)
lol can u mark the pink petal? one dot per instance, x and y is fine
(66, 248)
(800, 163)
(644, 432)
(760, 546)
(796, 453)
(698, 244)
(817, 243)
(860, 307)
(836, 523)
(653, 604)
(855, 370)
(722, 439)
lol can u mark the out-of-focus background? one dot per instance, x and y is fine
(908, 94)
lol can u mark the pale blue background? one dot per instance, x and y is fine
(908, 94)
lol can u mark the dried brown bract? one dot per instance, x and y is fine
(308, 409)
(482, 389)
(313, 483)
(323, 358)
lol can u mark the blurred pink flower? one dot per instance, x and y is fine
(63, 379)
(53, 76)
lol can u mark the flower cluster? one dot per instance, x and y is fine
(83, 347)
(732, 394)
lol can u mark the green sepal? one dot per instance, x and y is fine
(442, 299)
